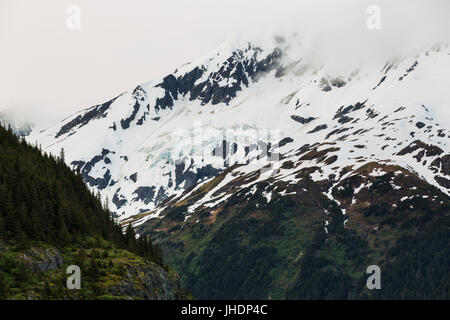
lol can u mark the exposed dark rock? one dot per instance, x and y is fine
(444, 182)
(141, 120)
(336, 131)
(118, 199)
(409, 70)
(288, 165)
(211, 90)
(420, 125)
(161, 196)
(371, 113)
(189, 177)
(125, 123)
(285, 141)
(345, 119)
(318, 128)
(379, 83)
(171, 86)
(101, 183)
(145, 194)
(430, 150)
(77, 165)
(302, 120)
(114, 127)
(140, 96)
(420, 155)
(94, 112)
(304, 148)
(180, 174)
(147, 281)
(42, 259)
(399, 109)
(445, 162)
(342, 111)
(331, 160)
(442, 164)
(337, 82)
(86, 168)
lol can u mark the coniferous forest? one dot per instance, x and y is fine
(45, 203)
(44, 200)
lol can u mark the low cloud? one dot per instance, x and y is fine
(49, 72)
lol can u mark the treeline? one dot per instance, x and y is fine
(43, 200)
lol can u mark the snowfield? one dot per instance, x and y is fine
(249, 107)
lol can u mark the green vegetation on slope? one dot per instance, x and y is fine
(107, 273)
(44, 203)
(249, 248)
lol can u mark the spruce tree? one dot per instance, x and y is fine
(62, 156)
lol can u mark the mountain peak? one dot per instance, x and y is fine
(247, 101)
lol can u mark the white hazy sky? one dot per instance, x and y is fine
(49, 71)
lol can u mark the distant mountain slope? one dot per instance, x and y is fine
(151, 144)
(278, 240)
(49, 219)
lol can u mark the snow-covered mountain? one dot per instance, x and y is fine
(257, 110)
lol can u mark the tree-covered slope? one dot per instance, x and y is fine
(49, 219)
(300, 244)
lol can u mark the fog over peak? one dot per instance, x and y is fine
(50, 72)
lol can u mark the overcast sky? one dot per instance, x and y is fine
(49, 71)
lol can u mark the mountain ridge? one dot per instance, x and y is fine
(286, 177)
(217, 84)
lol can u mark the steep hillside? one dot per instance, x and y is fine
(283, 240)
(49, 220)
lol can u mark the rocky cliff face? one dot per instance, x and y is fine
(42, 259)
(40, 273)
(147, 281)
